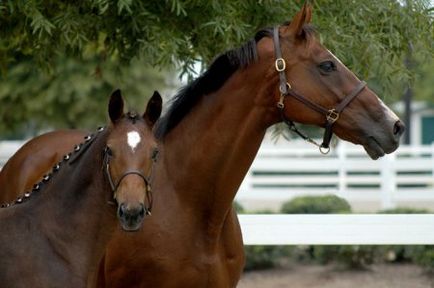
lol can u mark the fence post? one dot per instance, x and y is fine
(388, 181)
(342, 171)
(246, 185)
(432, 162)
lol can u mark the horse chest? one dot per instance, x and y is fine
(181, 256)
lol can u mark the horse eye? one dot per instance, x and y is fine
(154, 154)
(327, 66)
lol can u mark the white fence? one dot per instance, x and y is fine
(279, 173)
(357, 229)
(284, 171)
(7, 149)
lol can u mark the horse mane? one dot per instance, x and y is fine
(213, 79)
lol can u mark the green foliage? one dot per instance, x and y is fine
(404, 210)
(423, 86)
(371, 36)
(260, 257)
(326, 204)
(422, 255)
(60, 59)
(385, 32)
(238, 207)
(264, 257)
(74, 95)
(346, 256)
(353, 257)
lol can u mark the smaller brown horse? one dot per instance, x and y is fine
(55, 235)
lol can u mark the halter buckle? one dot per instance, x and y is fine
(324, 150)
(332, 116)
(280, 104)
(280, 64)
(284, 88)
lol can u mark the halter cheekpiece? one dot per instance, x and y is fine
(331, 115)
(115, 185)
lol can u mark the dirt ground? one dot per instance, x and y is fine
(309, 276)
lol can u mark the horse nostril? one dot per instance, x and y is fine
(121, 210)
(398, 128)
(142, 211)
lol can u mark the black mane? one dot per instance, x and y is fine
(211, 80)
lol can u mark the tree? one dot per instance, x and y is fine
(370, 36)
(361, 32)
(74, 95)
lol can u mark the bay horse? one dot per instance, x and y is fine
(209, 138)
(56, 234)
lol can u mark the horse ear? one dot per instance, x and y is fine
(116, 106)
(304, 16)
(153, 109)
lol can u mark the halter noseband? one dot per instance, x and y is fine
(331, 115)
(115, 187)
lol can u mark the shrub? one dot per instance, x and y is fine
(327, 204)
(347, 256)
(354, 257)
(404, 210)
(264, 257)
(238, 207)
(422, 255)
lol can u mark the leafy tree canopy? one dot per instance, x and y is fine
(74, 95)
(72, 40)
(363, 33)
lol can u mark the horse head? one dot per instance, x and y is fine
(317, 88)
(129, 157)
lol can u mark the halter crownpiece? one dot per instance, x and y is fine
(331, 115)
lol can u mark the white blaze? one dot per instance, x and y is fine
(133, 139)
(389, 113)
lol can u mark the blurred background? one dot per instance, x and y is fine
(60, 60)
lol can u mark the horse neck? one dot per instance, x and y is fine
(75, 215)
(209, 152)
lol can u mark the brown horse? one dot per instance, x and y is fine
(209, 138)
(56, 234)
(31, 169)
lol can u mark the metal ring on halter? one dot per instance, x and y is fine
(280, 64)
(324, 150)
(288, 87)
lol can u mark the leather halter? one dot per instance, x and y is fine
(331, 115)
(115, 185)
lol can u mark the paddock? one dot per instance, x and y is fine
(284, 170)
(280, 172)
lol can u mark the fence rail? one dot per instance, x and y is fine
(7, 149)
(331, 229)
(280, 173)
